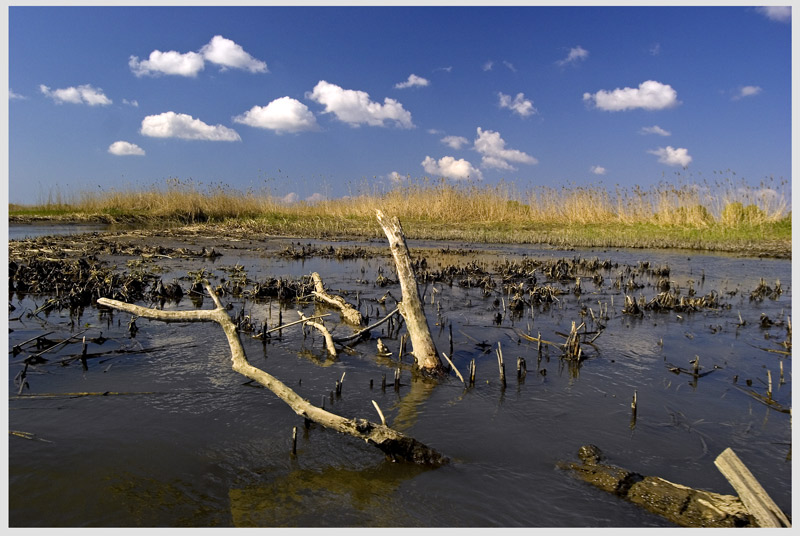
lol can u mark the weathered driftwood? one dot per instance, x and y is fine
(754, 497)
(393, 443)
(350, 314)
(423, 348)
(682, 505)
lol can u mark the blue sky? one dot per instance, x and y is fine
(310, 101)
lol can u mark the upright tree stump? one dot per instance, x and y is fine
(423, 348)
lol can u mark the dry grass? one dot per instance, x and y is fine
(691, 205)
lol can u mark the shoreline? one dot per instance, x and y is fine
(557, 237)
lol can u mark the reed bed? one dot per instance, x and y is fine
(443, 209)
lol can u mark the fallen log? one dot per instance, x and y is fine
(425, 354)
(682, 505)
(350, 314)
(394, 444)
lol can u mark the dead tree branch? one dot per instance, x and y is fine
(350, 314)
(393, 443)
(358, 334)
(325, 333)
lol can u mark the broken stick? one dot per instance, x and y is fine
(393, 443)
(754, 497)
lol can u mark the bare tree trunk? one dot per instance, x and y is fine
(393, 443)
(425, 353)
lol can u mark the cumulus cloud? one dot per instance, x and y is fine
(172, 125)
(394, 176)
(776, 13)
(413, 81)
(85, 94)
(281, 115)
(124, 148)
(451, 168)
(226, 53)
(355, 107)
(671, 156)
(650, 95)
(219, 50)
(315, 198)
(746, 91)
(598, 170)
(456, 142)
(494, 153)
(290, 198)
(519, 104)
(575, 55)
(171, 62)
(655, 129)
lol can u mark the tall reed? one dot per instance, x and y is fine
(725, 202)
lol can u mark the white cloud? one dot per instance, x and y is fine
(650, 95)
(519, 105)
(575, 55)
(413, 81)
(171, 62)
(451, 168)
(355, 107)
(290, 198)
(394, 176)
(172, 125)
(776, 13)
(133, 103)
(12, 95)
(85, 94)
(281, 115)
(510, 66)
(226, 53)
(219, 50)
(456, 142)
(671, 156)
(124, 148)
(315, 197)
(746, 91)
(493, 150)
(655, 129)
(488, 65)
(598, 170)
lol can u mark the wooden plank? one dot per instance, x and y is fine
(753, 496)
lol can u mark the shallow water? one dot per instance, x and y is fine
(19, 231)
(189, 442)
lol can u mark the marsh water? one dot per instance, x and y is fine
(158, 430)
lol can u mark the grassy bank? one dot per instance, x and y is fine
(722, 216)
